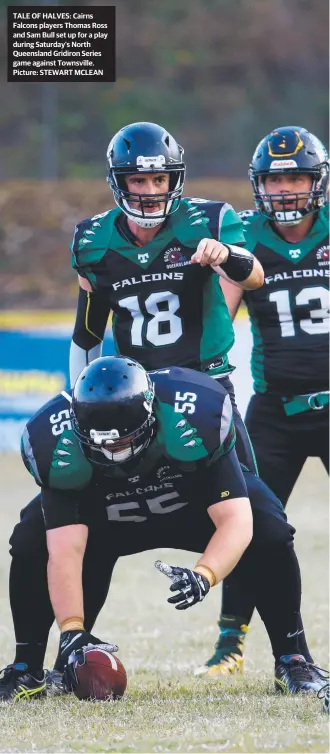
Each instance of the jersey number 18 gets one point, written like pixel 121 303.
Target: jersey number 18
pixel 162 306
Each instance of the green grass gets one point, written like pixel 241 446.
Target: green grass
pixel 165 709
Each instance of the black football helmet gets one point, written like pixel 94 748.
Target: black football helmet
pixel 145 148
pixel 290 149
pixel 111 410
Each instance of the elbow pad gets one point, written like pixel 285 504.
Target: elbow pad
pixel 239 264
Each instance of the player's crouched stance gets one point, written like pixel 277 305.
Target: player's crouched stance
pixel 134 462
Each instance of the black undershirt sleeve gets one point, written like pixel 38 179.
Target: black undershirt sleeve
pixel 93 311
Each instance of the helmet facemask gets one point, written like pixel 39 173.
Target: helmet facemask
pixel 106 448
pixel 314 199
pixel 139 212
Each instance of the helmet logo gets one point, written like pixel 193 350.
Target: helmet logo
pixel 153 163
pixel 282 164
pixel 278 141
pixel 294 253
pixel 100 436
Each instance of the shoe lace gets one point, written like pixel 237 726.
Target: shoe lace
pixel 324 691
pixel 321 671
pixel 9 672
pixel 304 671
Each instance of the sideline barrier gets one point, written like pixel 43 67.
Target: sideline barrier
pixel 34 364
pixel 33 368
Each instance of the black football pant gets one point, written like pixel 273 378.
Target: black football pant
pixel 268 570
pixel 281 444
pixel 243 446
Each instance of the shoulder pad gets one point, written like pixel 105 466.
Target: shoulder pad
pixel 194 414
pixel 253 223
pixel 91 240
pixel 223 222
pixel 324 215
pixel 248 215
pixel 50 451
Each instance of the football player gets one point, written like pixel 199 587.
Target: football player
pixel 288 416
pixel 145 262
pixel 155 262
pixel 132 462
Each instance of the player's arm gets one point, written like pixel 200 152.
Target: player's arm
pixel 225 254
pixel 66 548
pixel 66 534
pixel 231 262
pixel 93 311
pixel 233 296
pixel 232 518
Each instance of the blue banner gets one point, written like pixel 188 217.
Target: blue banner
pixel 34 366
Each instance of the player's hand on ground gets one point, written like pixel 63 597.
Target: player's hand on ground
pixel 210 251
pixel 192 587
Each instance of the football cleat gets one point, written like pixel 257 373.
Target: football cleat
pixel 294 675
pixel 18 684
pixel 228 658
pixel 324 694
pixel 54 683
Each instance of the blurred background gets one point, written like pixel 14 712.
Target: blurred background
pixel 219 75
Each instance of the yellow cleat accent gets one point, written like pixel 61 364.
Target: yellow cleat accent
pixel 25 693
pixel 232 664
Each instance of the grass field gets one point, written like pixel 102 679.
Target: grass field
pixel 165 709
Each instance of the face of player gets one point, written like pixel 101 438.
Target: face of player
pixel 289 184
pixel 152 184
pixel 119 453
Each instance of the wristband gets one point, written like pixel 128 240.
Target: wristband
pixel 239 263
pixel 72 624
pixel 203 570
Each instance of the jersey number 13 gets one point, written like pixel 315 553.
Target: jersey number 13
pixel 318 321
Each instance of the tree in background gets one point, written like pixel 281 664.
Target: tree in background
pixel 218 74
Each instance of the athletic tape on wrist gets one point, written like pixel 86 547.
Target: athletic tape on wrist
pixel 72 624
pixel 205 571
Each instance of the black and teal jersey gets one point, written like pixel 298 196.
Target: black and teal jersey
pixel 166 310
pixel 290 314
pixel 195 433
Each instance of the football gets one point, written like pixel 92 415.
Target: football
pixel 101 676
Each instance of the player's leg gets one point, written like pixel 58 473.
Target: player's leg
pixel 237 603
pixel 30 604
pixel 275 573
pixel 269 569
pixel 318 434
pixel 244 446
pixel 280 449
pixel 279 462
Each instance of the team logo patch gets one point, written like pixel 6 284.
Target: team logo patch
pixel 143 258
pixel 174 258
pixel 322 255
pixel 163 475
pixel 294 253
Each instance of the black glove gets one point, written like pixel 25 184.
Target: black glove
pixel 192 586
pixel 78 657
pixel 69 642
